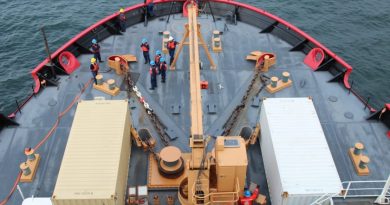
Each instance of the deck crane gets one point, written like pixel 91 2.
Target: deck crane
pixel 204 184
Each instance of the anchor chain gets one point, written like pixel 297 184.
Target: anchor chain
pixel 132 91
pixel 228 126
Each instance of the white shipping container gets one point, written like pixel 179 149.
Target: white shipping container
pixel 297 160
pixel 94 168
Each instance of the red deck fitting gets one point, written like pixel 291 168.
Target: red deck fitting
pixel 314 58
pixel 204 84
pixel 68 61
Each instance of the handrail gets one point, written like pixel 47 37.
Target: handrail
pixel 348 187
pixel 323 198
pixel 299 31
pixel 85 32
pixel 35 71
pixel 230 2
pixel 362 191
pixel 306 36
pixel 235 195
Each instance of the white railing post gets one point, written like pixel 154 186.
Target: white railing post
pixel 20 191
pixel 382 199
pixel 346 191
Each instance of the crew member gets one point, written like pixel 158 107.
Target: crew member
pixel 163 69
pixel 122 20
pixel 94 69
pixel 171 46
pixel 96 50
pixel 153 75
pixel 157 58
pixel 249 197
pixel 145 50
pixel 149 7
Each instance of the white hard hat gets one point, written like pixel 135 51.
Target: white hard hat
pixel 170 38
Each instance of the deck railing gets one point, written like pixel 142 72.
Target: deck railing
pixel 87 35
pixel 378 189
pixel 217 197
pixel 373 188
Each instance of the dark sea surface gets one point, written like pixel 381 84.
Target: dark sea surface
pixel 356 30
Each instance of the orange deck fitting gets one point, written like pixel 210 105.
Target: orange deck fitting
pixel 156 180
pixel 355 161
pixel 280 86
pixel 129 58
pixel 257 53
pixel 33 165
pixel 104 88
pixel 261 199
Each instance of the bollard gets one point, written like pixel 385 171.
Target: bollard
pixel 111 84
pixel 170 200
pixel 364 160
pixel 117 63
pixel 152 142
pixel 274 81
pixel 266 63
pixel 217 42
pixel 216 34
pixel 358 148
pixel 99 79
pixel 166 34
pixel 156 200
pixel 285 77
pixel 25 169
pixel 30 153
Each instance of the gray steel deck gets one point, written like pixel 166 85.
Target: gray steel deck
pixel 227 84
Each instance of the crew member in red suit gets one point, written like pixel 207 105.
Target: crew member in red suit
pixel 249 197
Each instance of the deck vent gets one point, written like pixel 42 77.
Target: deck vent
pixel 332 98
pixel 231 143
pixel 175 109
pixel 212 108
pixel 198 138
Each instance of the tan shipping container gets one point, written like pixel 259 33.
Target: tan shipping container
pixel 94 168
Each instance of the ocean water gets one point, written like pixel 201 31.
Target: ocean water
pixel 357 30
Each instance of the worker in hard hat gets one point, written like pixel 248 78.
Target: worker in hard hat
pixel 94 69
pixel 153 75
pixel 171 46
pixel 163 69
pixel 122 20
pixel 249 197
pixel 96 50
pixel 157 59
pixel 145 50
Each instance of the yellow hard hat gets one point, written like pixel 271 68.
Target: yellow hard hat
pixel 121 10
pixel 93 60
